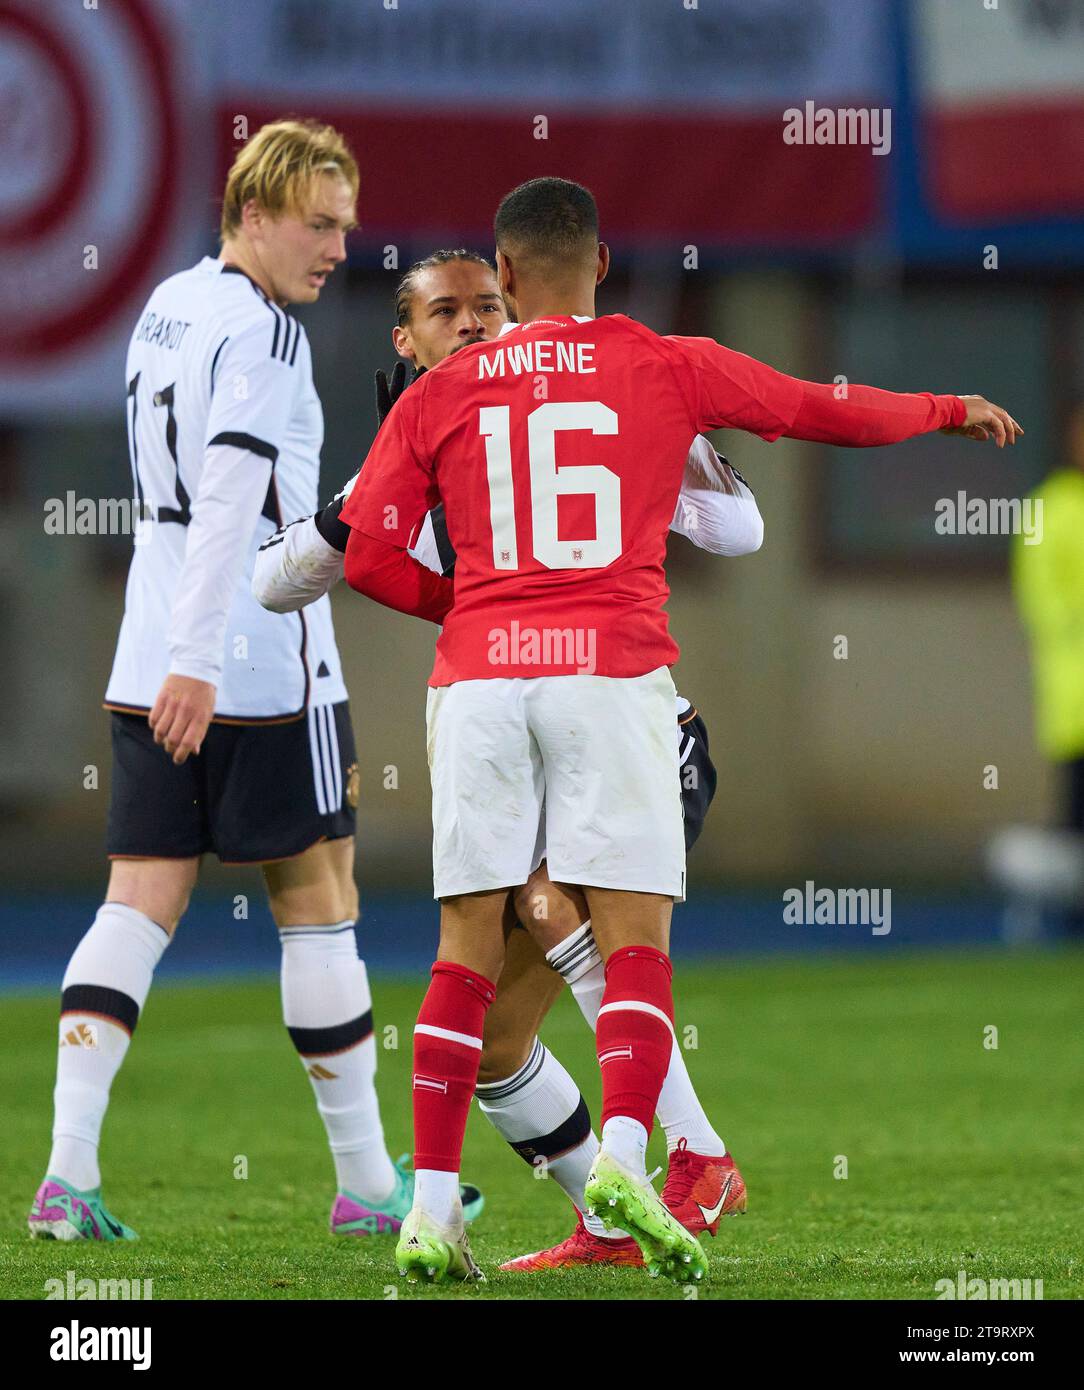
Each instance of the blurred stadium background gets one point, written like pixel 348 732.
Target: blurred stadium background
pixel 950 263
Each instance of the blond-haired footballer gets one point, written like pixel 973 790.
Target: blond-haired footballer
pixel 230 725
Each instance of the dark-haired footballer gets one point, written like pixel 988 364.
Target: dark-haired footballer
pixel 444 302
pixel 525 738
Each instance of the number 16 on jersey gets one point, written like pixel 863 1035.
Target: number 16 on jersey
pixel 550 480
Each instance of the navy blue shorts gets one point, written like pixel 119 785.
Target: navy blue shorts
pixel 254 792
pixel 697 773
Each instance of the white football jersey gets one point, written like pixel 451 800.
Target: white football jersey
pixel 224 432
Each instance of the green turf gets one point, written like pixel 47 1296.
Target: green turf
pixel 959 1157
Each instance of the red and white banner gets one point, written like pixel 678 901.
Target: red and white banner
pixel 98 178
pixel 672 114
pixel 1003 92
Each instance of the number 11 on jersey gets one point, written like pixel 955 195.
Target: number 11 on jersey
pixel 549 480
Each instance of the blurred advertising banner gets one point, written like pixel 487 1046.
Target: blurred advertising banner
pixel 102 187
pixel 122 115
pixel 672 113
pixel 1002 87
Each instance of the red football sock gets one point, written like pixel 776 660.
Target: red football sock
pixel 447 1050
pixel 635 1032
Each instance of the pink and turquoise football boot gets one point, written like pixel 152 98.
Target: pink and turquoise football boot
pixel 62 1212
pixel 355 1216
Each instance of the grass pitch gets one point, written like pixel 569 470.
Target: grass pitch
pixel 958 1155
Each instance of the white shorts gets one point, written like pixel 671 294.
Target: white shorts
pixel 579 770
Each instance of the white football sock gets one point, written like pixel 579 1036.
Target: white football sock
pixel 539 1111
pixel 327 1008
pixel 680 1113
pixel 626 1139
pixel 437 1194
pixel 577 960
pixel 104 989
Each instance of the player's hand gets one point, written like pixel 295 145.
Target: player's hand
pixel 388 390
pixel 181 715
pixel 985 419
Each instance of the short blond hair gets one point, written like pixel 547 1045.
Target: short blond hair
pixel 277 166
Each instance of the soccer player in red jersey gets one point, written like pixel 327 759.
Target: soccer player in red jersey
pixel 446 302
pixel 558 451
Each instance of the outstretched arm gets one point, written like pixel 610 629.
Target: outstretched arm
pixel 731 390
pixel 868 416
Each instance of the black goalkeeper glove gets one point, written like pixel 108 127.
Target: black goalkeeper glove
pixel 388 390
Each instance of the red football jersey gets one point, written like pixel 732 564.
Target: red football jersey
pixel 558 451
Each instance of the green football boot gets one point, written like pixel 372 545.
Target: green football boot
pixel 621 1198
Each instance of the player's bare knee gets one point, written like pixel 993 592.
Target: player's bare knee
pixel 528 901
pixel 502 1057
pixel 549 911
pixel 349 902
pixel 317 906
pixel 314 887
pixel 472 931
pixel 159 888
pixel 539 901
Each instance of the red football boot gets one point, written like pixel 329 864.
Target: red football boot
pixel 700 1189
pixel 581 1248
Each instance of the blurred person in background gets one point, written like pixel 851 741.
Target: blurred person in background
pixel 1048 581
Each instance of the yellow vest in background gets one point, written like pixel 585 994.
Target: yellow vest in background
pixel 1048 580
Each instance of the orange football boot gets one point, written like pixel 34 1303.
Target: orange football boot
pixel 701 1188
pixel 581 1248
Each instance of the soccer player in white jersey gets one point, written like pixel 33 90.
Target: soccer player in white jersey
pixel 231 730
pixel 444 302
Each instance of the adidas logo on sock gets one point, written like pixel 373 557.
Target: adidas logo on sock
pixel 82 1035
pixel 321 1073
